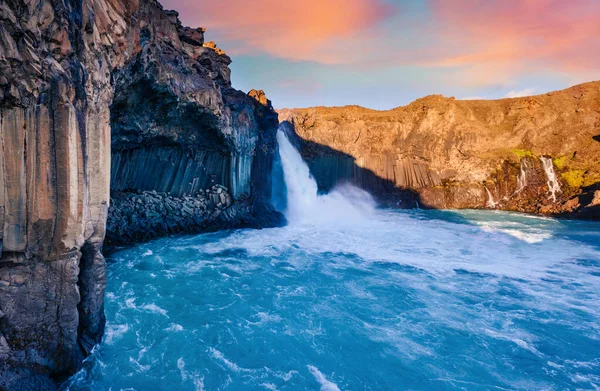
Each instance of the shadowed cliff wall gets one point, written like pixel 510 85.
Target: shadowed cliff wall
pixel 69 71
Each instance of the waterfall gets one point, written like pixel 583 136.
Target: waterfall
pixel 522 178
pixel 304 204
pixel 301 186
pixel 491 203
pixel 553 184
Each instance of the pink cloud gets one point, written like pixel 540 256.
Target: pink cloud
pixel 475 42
pixel 291 29
pixel 498 38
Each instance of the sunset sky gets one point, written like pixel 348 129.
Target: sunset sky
pixel 386 53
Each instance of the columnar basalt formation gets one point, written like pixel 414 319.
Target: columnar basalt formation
pixel 70 71
pixel 466 154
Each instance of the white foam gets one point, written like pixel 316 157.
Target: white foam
pixel 264 318
pixel 216 354
pixel 517 340
pixel 114 332
pixel 139 367
pixel 326 385
pixel 527 237
pixel 193 376
pixel 174 328
pixel 345 204
pixel 154 309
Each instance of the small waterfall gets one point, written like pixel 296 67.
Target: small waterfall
pixel 345 203
pixel 522 178
pixel 553 183
pixel 491 203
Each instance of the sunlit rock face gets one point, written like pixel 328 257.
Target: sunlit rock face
pixel 535 154
pixel 70 72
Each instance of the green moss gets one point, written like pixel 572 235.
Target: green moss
pixel 575 178
pixel 521 153
pixel 561 162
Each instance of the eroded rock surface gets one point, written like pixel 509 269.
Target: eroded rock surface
pixel 69 72
pixel 465 154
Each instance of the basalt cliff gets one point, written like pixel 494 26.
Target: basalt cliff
pixel 117 122
pixel 538 154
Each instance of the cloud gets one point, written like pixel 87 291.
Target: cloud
pixel 300 86
pixel 519 94
pixel 308 30
pixel 496 39
pixel 465 43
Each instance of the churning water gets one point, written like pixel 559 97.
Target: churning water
pixel 344 204
pixel 384 300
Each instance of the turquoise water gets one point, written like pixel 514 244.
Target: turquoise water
pixel 421 300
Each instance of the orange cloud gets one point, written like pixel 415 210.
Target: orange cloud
pixel 474 42
pixel 291 29
pixel 498 38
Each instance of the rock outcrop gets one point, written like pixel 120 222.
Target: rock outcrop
pixel 538 154
pixel 79 79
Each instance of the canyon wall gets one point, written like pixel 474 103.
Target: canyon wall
pixel 538 154
pixel 82 78
pixel 184 143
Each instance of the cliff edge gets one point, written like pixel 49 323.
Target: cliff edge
pixel 538 154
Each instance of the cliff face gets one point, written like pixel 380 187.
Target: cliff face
pixel 184 143
pixel 69 72
pixel 447 153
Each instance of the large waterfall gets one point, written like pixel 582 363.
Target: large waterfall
pixel 348 298
pixel 304 204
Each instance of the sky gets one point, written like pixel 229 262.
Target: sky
pixel 386 53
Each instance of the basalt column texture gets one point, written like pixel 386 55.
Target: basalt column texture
pixel 69 69
pixel 185 141
pixel 538 154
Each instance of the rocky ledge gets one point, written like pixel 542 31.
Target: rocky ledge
pixel 87 85
pixel 139 217
pixel 538 154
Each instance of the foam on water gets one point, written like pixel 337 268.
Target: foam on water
pixel 326 385
pixel 345 204
pixel 419 299
pixel 349 297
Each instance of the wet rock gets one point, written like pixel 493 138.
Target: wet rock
pixel 162 216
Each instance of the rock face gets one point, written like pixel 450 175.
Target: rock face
pixel 179 129
pixel 77 80
pixel 537 154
